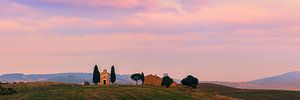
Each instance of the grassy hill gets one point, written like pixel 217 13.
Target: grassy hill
pixel 206 91
pixel 50 91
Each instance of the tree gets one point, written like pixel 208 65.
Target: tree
pixel 167 81
pixel 142 78
pixel 112 75
pixel 190 81
pixel 96 75
pixel 136 77
pixel 0 86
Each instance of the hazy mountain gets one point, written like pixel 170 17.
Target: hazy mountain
pixel 59 77
pixel 287 81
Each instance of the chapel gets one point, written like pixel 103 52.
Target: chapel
pixel 104 78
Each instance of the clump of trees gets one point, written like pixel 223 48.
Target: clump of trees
pixel 7 91
pixel 112 75
pixel 137 76
pixel 96 75
pixel 190 81
pixel 166 81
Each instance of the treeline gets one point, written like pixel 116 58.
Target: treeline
pixel 167 81
pixel 189 81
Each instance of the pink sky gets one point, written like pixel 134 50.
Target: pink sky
pixel 223 40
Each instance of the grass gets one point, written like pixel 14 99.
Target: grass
pixel 61 91
pixel 206 91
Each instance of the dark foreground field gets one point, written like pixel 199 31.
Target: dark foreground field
pixel 248 94
pixel 60 91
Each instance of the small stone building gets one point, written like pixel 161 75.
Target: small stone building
pixel 174 84
pixel 153 80
pixel 104 78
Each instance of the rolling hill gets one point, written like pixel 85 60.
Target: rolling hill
pixel 206 91
pixel 287 81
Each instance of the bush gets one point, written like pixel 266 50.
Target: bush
pixel 190 81
pixel 166 81
pixel 86 83
pixel 7 91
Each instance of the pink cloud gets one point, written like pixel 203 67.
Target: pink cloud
pixel 61 21
pixel 231 14
pixel 46 25
pixel 193 4
pixel 12 9
pixel 106 3
pixel 60 52
pixel 242 35
pixel 14 26
pixel 135 22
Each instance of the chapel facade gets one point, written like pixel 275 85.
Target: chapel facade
pixel 104 78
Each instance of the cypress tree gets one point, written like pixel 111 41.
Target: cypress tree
pixel 142 78
pixel 96 75
pixel 112 75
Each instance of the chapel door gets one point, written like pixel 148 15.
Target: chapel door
pixel 104 82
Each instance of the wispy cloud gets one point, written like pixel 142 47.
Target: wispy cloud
pixel 139 35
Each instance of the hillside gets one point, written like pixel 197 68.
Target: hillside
pixel 287 81
pixel 249 94
pixel 207 91
pixel 50 91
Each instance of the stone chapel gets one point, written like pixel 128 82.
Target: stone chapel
pixel 104 78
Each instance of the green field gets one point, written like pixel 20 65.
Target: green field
pixel 60 91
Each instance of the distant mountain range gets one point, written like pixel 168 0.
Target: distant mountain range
pixel 60 77
pixel 287 81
